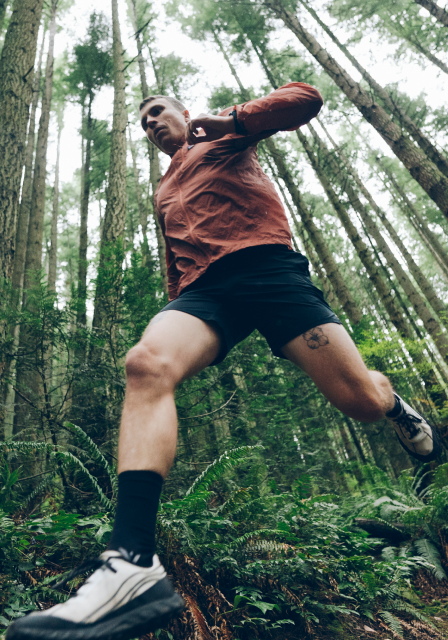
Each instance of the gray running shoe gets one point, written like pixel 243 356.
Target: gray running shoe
pixel 415 434
pixel 119 601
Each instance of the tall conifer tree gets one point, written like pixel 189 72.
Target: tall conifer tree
pixel 16 92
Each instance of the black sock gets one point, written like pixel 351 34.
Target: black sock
pixel 135 521
pixel 393 413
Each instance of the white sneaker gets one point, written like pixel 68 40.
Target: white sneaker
pixel 415 434
pixel 120 600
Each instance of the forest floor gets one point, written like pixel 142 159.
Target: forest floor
pixel 434 594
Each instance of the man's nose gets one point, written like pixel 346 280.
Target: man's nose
pixel 150 122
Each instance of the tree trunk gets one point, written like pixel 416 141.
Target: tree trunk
pixel 431 325
pixel 423 170
pixel 429 237
pixel 383 291
pixel 441 15
pixel 308 248
pixel 33 260
pixel 16 93
pixel 420 138
pixel 334 275
pixel 142 211
pixel 424 284
pixel 30 382
pixel 153 153
pixel 53 253
pixel 115 214
pixel 81 312
pixel 25 203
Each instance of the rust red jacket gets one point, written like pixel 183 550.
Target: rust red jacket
pixel 215 199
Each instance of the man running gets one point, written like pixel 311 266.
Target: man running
pixel 231 270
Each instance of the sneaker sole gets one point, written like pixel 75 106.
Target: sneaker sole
pixel 148 617
pixel 436 451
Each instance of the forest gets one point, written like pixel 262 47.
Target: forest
pixel 281 518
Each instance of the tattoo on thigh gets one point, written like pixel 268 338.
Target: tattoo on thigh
pixel 315 338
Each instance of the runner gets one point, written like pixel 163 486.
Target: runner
pixel 231 270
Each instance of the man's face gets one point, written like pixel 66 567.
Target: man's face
pixel 164 124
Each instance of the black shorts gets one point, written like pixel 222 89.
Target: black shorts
pixel 266 287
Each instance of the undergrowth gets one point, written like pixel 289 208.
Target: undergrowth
pixel 250 561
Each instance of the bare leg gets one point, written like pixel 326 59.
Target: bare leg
pixel 329 356
pixel 174 347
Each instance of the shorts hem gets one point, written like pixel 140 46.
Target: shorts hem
pixel 211 319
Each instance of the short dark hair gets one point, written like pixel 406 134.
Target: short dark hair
pixel 174 101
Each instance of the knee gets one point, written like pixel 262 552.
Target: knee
pixel 146 368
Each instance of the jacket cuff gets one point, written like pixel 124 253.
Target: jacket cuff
pixel 240 129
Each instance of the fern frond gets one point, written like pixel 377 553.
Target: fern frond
pixel 245 538
pixel 68 459
pixel 27 446
pixel 388 553
pixel 39 489
pixel 408 608
pixel 267 546
pixel 217 468
pixel 392 622
pixel 430 553
pixel 93 450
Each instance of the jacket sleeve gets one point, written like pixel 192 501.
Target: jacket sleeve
pixel 285 109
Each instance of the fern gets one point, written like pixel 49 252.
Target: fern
pixel 408 608
pixel 392 622
pixel 68 459
pixel 65 458
pixel 388 553
pixel 39 489
pixel 429 552
pixel 92 449
pixel 217 468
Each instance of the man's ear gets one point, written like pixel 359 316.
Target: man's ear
pixel 187 115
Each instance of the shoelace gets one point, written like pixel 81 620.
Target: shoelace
pixel 408 423
pixel 88 565
pixel 96 563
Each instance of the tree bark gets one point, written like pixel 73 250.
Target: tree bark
pixel 441 15
pixel 33 260
pixel 154 162
pixel 423 170
pixel 115 214
pixel 430 323
pixel 334 275
pixel 420 138
pixel 25 203
pixel 424 284
pixel 81 312
pixel 16 92
pixel 53 253
pixel 308 248
pixel 364 255
pixel 142 211
pixel 429 237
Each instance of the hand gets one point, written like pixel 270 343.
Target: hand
pixel 205 128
